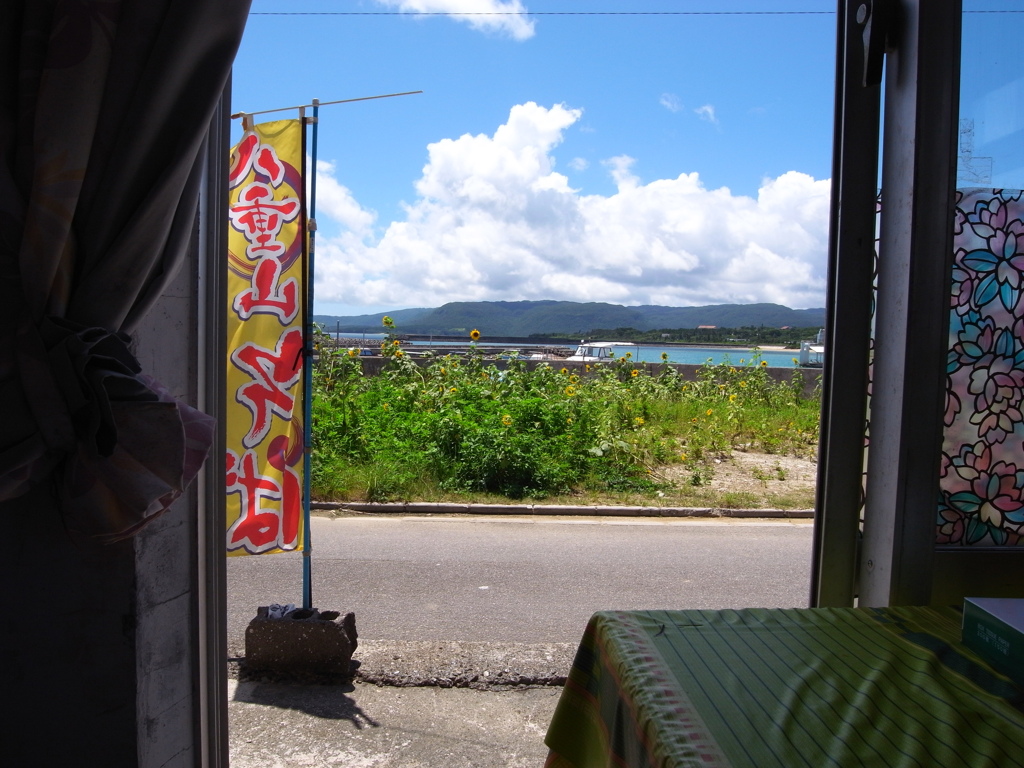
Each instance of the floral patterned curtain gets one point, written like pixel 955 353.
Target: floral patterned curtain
pixel 982 487
pixel 103 109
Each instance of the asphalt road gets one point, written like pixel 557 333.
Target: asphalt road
pixel 523 580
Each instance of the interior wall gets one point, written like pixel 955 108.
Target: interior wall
pixel 166 551
pixel 67 640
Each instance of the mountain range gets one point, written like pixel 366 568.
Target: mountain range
pixel 524 318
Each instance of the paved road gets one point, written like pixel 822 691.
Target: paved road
pixel 523 580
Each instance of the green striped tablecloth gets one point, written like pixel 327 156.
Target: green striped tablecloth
pixel 761 688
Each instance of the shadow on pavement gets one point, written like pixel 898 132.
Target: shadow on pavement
pixel 329 702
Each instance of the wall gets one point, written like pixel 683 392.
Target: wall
pixel 166 553
pixel 67 639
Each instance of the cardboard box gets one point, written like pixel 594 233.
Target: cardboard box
pixel 994 629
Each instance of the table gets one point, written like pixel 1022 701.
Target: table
pixel 784 687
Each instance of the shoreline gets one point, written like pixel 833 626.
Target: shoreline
pixel 359 342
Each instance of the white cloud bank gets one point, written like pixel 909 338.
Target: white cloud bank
pixel 493 220
pixel 502 16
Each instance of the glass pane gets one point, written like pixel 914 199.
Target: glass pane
pixel 991 148
pixel 982 486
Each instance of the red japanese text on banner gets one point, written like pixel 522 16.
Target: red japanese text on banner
pixel 264 366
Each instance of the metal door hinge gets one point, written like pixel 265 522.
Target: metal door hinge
pixel 873 18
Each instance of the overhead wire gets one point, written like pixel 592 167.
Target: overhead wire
pixel 571 13
pixel 542 13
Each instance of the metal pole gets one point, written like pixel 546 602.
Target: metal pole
pixel 307 382
pixel 316 103
pixel 848 322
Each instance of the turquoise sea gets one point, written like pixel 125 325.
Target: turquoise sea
pixel 701 355
pixel 652 353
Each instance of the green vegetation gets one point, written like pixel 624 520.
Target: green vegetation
pixel 462 428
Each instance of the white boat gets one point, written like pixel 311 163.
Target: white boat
pixel 601 351
pixel 812 353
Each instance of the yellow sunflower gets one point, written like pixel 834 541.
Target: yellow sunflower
pixel 474 335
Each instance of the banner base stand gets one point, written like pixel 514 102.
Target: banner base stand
pixel 301 645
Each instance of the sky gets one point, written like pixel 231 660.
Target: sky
pixel 680 160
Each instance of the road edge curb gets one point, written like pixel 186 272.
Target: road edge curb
pixel 428 508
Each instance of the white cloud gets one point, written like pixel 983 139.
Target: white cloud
pixel 670 102
pixel 579 164
pixel 493 220
pixel 335 201
pixel 504 16
pixel 707 112
pixel 620 171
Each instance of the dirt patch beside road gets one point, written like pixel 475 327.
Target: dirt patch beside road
pixel 748 480
pixel 765 473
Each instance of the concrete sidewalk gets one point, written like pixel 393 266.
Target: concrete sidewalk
pixel 412 704
pixel 276 725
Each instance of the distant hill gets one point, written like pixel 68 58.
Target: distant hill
pixel 370 323
pixel 523 318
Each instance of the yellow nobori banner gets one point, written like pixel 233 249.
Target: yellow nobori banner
pixel 265 293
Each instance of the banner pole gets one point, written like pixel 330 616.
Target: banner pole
pixel 307 384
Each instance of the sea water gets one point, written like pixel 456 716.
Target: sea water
pixel 714 355
pixel 644 353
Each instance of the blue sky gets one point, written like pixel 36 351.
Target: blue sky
pixel 678 160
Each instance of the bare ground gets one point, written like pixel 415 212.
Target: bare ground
pixel 756 480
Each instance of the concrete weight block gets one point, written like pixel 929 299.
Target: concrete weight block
pixel 301 643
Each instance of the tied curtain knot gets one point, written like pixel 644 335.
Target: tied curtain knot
pixel 117 445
